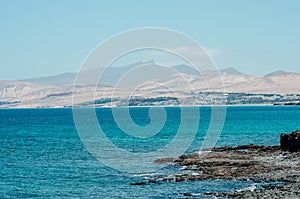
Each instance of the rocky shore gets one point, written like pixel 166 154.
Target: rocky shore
pixel 273 170
pixel 257 163
pixel 249 162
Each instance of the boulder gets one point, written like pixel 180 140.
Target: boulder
pixel 290 142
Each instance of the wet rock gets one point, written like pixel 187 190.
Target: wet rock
pixel 186 194
pixel 151 181
pixel 138 183
pixel 290 142
pixel 164 160
pixel 248 162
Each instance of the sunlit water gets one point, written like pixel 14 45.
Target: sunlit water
pixel 41 154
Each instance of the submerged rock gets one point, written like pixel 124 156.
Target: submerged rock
pixel 290 142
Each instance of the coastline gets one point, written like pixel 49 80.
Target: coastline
pixel 269 164
pixel 99 107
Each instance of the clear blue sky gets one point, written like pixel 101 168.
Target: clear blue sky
pixel 40 38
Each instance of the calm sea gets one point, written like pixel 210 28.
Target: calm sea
pixel 42 156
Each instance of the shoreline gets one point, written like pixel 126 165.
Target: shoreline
pixel 247 162
pixel 100 107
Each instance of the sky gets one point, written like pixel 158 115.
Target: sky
pixel 42 38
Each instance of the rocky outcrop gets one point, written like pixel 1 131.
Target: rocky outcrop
pixel 250 162
pixel 290 142
pixel 276 166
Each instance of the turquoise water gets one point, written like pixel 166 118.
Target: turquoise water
pixel 41 154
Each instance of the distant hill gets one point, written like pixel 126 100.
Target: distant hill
pixel 185 69
pixel 232 71
pixel 65 78
pixel 144 81
pixel 275 73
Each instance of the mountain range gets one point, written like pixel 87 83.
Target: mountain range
pixel 182 82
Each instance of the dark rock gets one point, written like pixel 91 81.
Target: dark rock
pixel 138 183
pixel 290 142
pixel 152 181
pixel 264 165
pixel 186 194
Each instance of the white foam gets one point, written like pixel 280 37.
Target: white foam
pixel 252 187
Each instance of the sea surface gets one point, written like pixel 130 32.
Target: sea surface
pixel 42 155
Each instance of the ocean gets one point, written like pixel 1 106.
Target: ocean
pixel 42 154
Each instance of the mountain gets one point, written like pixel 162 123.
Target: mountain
pixel 276 73
pixel 110 75
pixel 185 69
pixel 142 80
pixel 231 71
pixel 66 78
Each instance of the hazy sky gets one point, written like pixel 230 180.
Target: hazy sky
pixel 40 38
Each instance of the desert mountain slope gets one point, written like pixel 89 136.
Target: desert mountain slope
pixel 181 81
